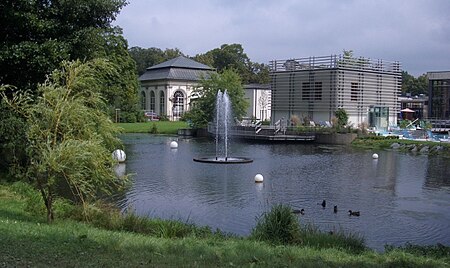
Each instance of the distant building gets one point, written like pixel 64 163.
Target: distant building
pixel 259 99
pixel 316 87
pixel 166 88
pixel 418 104
pixel 439 95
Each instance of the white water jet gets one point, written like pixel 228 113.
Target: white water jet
pixel 222 118
pixel 222 123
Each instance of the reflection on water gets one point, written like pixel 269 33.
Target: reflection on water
pixel 401 197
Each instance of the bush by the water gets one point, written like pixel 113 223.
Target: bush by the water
pixel 154 129
pixel 280 226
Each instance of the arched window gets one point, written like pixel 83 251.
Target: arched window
pixel 143 101
pixel 152 101
pixel 162 103
pixel 178 103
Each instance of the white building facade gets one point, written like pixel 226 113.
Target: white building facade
pixel 166 88
pixel 316 87
pixel 259 98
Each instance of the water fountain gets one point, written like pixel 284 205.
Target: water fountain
pixel 222 122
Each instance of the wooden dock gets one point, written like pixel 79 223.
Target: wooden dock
pixel 278 137
pixel 267 134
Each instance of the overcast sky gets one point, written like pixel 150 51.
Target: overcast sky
pixel 414 32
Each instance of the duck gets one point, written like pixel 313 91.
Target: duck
pixel 335 209
pixel 299 211
pixel 324 203
pixel 354 213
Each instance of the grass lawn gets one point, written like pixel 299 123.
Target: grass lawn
pixel 28 241
pixel 162 127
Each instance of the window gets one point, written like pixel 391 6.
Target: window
pixel 162 103
pixel 354 95
pixel 152 100
pixel 143 101
pixel 178 103
pixel 312 91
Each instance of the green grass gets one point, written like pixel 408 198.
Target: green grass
pixel 27 241
pixel 162 127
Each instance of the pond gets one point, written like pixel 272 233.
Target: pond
pixel 401 197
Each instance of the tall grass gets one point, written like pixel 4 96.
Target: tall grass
pixel 278 226
pixel 313 237
pixel 281 226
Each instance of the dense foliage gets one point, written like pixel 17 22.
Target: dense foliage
pixel 414 86
pixel 147 57
pixel 342 117
pixel 69 136
pixel 12 139
pixel 37 35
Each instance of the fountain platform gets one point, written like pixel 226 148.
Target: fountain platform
pixel 223 160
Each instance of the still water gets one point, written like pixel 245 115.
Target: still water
pixel 402 197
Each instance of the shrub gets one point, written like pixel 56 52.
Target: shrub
pixel 33 200
pixel 278 226
pixel 342 117
pixel 295 120
pixel 163 117
pixel 154 129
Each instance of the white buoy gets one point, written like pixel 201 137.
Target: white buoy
pixel 259 178
pixel 375 156
pixel 119 155
pixel 174 145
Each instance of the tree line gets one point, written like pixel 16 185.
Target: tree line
pixel 227 56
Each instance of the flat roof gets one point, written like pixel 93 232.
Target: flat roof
pixel 440 75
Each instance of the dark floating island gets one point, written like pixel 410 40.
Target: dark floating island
pixel 223 160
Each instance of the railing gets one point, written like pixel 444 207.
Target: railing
pixel 410 124
pixel 277 126
pixel 258 126
pixel 335 61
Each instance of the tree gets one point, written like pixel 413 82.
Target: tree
pixel 145 58
pixel 414 86
pixel 120 84
pixel 204 108
pixel 69 135
pixel 36 35
pixel 233 57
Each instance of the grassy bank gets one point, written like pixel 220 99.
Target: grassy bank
pixel 379 142
pixel 156 127
pixel 26 240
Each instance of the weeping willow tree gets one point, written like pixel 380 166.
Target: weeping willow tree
pixel 69 134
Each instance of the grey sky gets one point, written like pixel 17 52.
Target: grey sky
pixel 414 32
